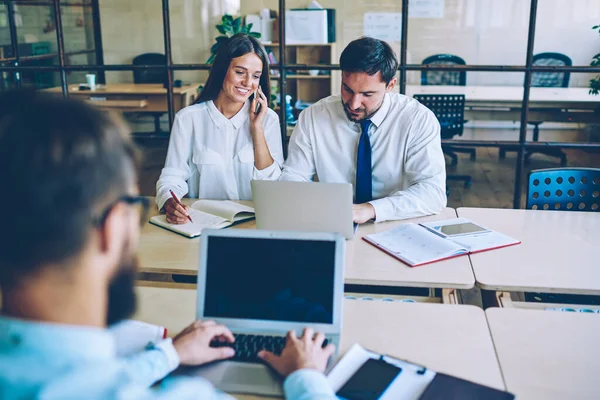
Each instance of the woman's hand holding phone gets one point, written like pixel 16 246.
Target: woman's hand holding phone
pixel 258 111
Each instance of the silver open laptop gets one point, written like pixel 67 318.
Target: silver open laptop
pixel 262 284
pixel 304 206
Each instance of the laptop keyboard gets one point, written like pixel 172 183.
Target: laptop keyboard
pixel 247 346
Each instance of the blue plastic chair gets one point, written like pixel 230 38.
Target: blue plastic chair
pixel 565 189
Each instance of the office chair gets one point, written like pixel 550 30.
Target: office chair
pixel 450 78
pixel 449 109
pixel 547 79
pixel 564 189
pixel 151 76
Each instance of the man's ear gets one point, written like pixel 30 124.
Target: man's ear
pixel 112 233
pixel 391 85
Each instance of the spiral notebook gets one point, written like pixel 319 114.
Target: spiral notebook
pixel 419 244
pixel 207 214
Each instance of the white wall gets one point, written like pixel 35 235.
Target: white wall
pixel 492 32
pixel 480 31
pixel 130 28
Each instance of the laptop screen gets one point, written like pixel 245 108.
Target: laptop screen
pixel 270 279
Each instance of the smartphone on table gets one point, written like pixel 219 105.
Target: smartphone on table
pixel 370 381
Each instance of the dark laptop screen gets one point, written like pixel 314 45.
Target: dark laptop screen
pixel 270 279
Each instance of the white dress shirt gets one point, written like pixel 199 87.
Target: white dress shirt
pixel 409 170
pixel 212 157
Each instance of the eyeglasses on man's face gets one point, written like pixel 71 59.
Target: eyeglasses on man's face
pixel 141 203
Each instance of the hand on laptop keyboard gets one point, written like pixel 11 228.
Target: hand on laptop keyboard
pixel 193 343
pixel 309 351
pixel 247 347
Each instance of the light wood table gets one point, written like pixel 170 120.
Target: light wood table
pixel 134 97
pixel 492 103
pixel 547 354
pixel 559 252
pixel 453 339
pixel 161 251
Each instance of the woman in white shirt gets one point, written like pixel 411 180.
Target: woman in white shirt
pixel 220 143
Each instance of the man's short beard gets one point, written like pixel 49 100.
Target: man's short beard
pixel 121 290
pixel 368 116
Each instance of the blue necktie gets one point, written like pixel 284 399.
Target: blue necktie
pixel 364 183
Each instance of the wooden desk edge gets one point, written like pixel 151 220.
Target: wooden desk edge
pixel 72 90
pixel 169 271
pixel 561 290
pixel 187 272
pixel 429 285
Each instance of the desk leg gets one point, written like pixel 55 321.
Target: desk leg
pixel 450 296
pixel 179 102
pixel 504 300
pixel 183 100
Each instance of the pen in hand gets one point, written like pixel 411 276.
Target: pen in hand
pixel 180 203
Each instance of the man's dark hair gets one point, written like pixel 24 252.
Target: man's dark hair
pixel 370 56
pixel 62 162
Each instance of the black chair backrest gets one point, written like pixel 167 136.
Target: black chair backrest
pixel 150 75
pixel 449 110
pixel 551 79
pixel 565 189
pixel 453 78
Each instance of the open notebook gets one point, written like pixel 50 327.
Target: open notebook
pixel 418 244
pixel 212 214
pixel 364 375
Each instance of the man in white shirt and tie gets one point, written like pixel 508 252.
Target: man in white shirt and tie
pixel 386 144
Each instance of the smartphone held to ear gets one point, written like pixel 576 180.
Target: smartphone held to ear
pixel 258 106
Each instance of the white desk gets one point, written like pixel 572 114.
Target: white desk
pixel 453 339
pixel 559 253
pixel 570 104
pixel 547 354
pixel 367 265
pixel 161 251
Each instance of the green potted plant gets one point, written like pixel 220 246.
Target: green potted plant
pixel 595 82
pixel 227 28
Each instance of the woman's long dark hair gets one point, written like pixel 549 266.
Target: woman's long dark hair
pixel 236 46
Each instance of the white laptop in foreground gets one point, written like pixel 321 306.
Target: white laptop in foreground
pixel 262 284
pixel 304 206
